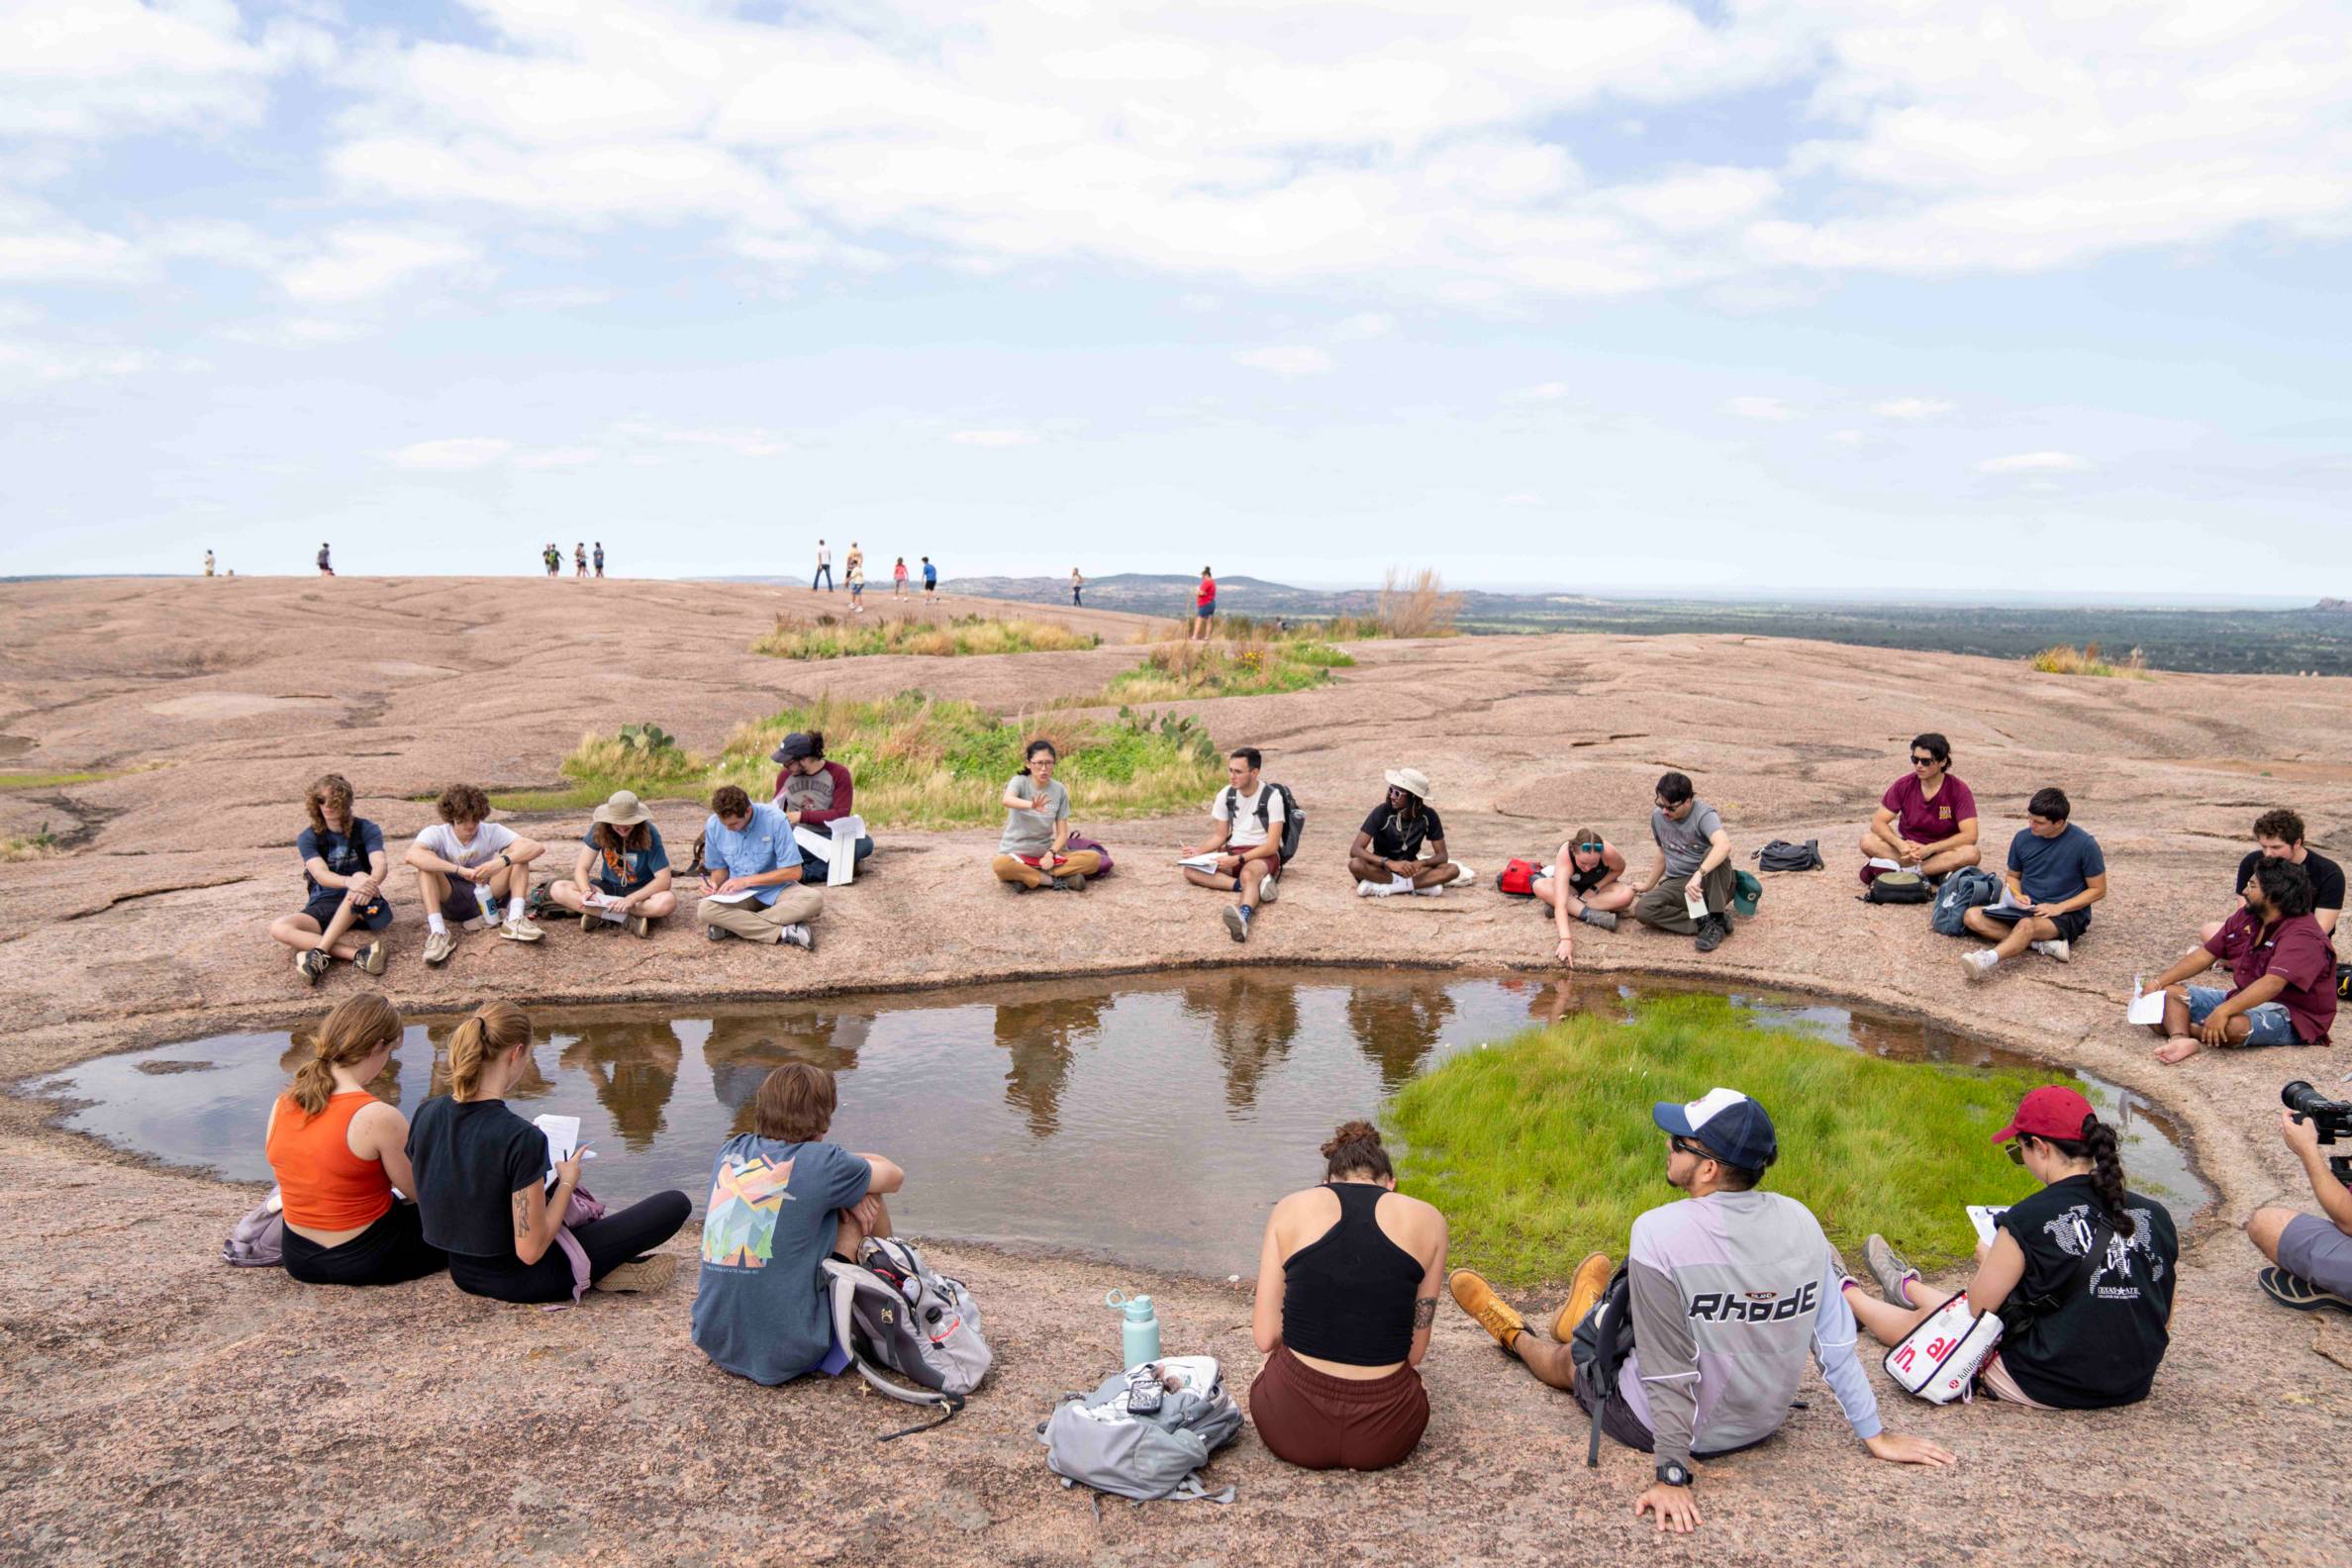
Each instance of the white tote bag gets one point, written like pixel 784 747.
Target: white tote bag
pixel 1938 1359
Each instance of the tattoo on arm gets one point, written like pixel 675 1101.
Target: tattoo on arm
pixel 522 1215
pixel 1424 1312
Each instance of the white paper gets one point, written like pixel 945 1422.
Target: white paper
pixel 2147 1007
pixel 563 1138
pixel 1982 1217
pixel 1695 904
pixel 1881 863
pixel 743 896
pixel 2009 898
pixel 1200 862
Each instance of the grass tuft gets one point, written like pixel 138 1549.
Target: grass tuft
pixel 1541 1149
pixel 10 781
pixel 37 847
pixel 1174 672
pixel 2064 660
pixel 830 638
pixel 1416 605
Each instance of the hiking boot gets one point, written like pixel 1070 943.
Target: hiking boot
pixel 437 947
pixel 1976 965
pixel 1712 932
pixel 651 1272
pixel 797 935
pixel 310 964
pixel 1603 919
pixel 638 924
pixel 1477 1298
pixel 2057 948
pixel 717 932
pixel 519 929
pixel 1887 1266
pixel 373 956
pixel 1075 882
pixel 2293 1290
pixel 1236 919
pixel 1584 1289
pixel 1270 889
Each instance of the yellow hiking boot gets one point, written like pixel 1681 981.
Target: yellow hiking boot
pixel 1584 1289
pixel 1478 1299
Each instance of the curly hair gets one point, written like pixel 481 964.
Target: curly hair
pixel 464 803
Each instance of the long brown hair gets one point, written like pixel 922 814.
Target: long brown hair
pixel 494 1028
pixel 326 787
pixel 639 837
pixel 358 1028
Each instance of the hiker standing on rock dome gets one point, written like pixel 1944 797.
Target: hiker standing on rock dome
pixel 1926 821
pixel 325 567
pixel 1690 887
pixel 1401 848
pixel 580 558
pixel 1204 607
pixel 598 557
pixel 823 569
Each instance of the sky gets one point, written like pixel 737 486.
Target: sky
pixel 1888 295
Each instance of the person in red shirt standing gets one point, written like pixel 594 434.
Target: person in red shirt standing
pixel 1927 820
pixel 2282 969
pixel 1204 607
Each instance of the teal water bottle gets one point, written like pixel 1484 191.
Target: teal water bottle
pixel 1139 1329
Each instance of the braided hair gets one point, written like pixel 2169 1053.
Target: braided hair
pixel 2103 1148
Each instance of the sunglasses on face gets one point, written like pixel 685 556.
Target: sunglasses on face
pixel 2016 1153
pixel 1921 761
pixel 1592 848
pixel 1682 1146
pixel 1395 793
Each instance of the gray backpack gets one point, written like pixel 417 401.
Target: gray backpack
pixel 1093 1440
pixel 898 1315
pixel 1964 890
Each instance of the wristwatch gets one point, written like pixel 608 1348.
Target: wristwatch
pixel 1674 1473
pixel 506 859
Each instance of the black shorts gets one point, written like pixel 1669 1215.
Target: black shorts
pixel 929 587
pixel 388 1252
pixel 2071 924
pixel 325 902
pixel 464 902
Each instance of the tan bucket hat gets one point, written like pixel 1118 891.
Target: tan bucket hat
pixel 624 810
pixel 1413 781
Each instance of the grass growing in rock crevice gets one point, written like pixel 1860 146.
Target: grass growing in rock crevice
pixel 1175 671
pixel 1541 1149
pixel 830 638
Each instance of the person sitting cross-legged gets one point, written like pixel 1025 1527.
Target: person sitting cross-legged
pixel 1347 1294
pixel 1401 848
pixel 1693 868
pixel 463 854
pixel 2282 971
pixel 1927 820
pixel 342 871
pixel 782 1201
pixel 1708 1372
pixel 752 874
pixel 813 792
pixel 1035 850
pixel 2056 872
pixel 1247 845
pixel 1588 883
pixel 622 876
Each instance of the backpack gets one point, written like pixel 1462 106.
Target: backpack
pixel 1093 1440
pixel 1294 821
pixel 1938 1359
pixel 259 1240
pixel 1782 855
pixel 2344 982
pixel 1075 844
pixel 1897 887
pixel 1964 890
pixel 1600 1344
pixel 1518 878
pixel 896 1313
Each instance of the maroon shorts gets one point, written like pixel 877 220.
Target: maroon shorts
pixel 1324 1422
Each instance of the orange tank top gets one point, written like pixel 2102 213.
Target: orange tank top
pixel 326 1185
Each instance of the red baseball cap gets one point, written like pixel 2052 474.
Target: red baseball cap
pixel 2050 1112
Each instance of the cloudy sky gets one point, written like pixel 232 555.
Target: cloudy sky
pixel 1887 294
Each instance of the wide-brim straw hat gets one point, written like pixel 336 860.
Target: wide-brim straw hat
pixel 1413 781
pixel 624 810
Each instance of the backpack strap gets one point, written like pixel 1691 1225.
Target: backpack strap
pixel 1606 1360
pixel 1189 1490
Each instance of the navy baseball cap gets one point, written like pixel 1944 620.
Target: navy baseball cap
pixel 1732 1126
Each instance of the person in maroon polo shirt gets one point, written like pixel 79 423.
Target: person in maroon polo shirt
pixel 1927 820
pixel 2282 973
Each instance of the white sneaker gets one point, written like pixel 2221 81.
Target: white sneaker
pixel 1267 890
pixel 797 935
pixel 1431 892
pixel 1978 964
pixel 2057 948
pixel 519 929
pixel 1463 876
pixel 1369 890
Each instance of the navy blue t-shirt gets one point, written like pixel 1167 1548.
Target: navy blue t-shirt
pixel 2051 871
pixel 346 853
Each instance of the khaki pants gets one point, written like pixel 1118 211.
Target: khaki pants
pixel 1663 907
pixel 795 906
pixel 1084 863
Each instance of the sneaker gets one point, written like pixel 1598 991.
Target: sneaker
pixel 372 958
pixel 1369 890
pixel 1463 876
pixel 1712 932
pixel 1477 1298
pixel 1978 964
pixel 2293 1290
pixel 310 964
pixel 2057 948
pixel 717 932
pixel 519 929
pixel 1837 1262
pixel 651 1272
pixel 1269 890
pixel 1887 1266
pixel 1236 919
pixel 797 935
pixel 1606 920
pixel 479 921
pixel 1584 1289
pixel 638 924
pixel 437 947
pixel 589 920
pixel 1075 882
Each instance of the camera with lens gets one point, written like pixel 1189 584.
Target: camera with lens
pixel 2333 1118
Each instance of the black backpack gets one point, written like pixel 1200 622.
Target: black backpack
pixel 1900 887
pixel 1782 855
pixel 1294 819
pixel 1600 1344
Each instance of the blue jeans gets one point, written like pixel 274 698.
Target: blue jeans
pixel 824 576
pixel 2269 1022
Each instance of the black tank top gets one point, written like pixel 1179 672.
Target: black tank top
pixel 1584 881
pixel 1347 1294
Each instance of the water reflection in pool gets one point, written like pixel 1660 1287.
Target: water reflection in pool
pixel 1149 1118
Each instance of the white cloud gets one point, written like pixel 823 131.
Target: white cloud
pixel 1846 437
pixel 558 458
pixel 741 440
pixel 1202 304
pixel 1540 392
pixel 2037 463
pixel 994 437
pixel 97 69
pixel 1287 360
pixel 1363 325
pixel 1769 408
pixel 358 261
pixel 1911 407
pixel 454 454
pixel 31 364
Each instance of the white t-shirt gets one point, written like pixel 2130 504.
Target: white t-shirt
pixel 441 839
pixel 824 555
pixel 1247 834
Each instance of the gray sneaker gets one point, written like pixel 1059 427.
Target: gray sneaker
pixel 1073 883
pixel 437 947
pixel 1237 922
pixel 310 964
pixel 717 932
pixel 1603 919
pixel 2057 948
pixel 798 937
pixel 1893 1275
pixel 1270 889
pixel 372 958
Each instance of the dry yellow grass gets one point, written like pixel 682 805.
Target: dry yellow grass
pixel 830 638
pixel 2062 659
pixel 1417 606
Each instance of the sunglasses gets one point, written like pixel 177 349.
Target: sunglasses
pixel 1682 1146
pixel 2016 1153
pixel 1595 847
pixel 1921 761
pixel 1397 793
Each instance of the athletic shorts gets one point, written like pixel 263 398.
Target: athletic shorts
pixel 2071 924
pixel 2311 1248
pixel 1204 612
pixel 325 902
pixel 2270 1024
pixel 464 902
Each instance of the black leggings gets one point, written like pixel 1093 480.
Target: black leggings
pixel 391 1250
pixel 609 1243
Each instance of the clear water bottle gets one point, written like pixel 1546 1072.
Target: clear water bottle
pixel 1138 1328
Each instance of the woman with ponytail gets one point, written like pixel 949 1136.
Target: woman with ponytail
pixel 1348 1289
pixel 2081 1273
pixel 482 1183
pixel 338 1152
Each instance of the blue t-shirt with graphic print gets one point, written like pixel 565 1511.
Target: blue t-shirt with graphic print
pixel 620 872
pixel 761 1311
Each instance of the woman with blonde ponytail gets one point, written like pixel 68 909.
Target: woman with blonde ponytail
pixel 340 1153
pixel 2081 1273
pixel 483 1183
